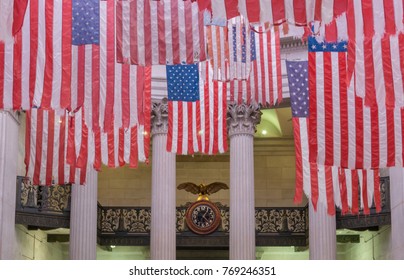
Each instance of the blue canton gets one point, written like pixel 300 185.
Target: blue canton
pixel 316 46
pixel 243 45
pixel 183 82
pixel 298 79
pixel 85 22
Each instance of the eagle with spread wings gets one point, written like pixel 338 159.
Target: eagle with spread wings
pixel 203 190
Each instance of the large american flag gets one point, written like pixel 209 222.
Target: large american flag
pixel 159 32
pixel 199 126
pixel 328 185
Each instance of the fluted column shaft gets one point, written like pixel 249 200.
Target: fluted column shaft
pixel 8 174
pixel 397 213
pixel 163 210
pixel 322 234
pixel 242 121
pixel 83 219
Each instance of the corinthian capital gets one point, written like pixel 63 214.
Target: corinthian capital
pixel 159 117
pixel 243 118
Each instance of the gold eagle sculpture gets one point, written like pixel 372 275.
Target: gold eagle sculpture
pixel 203 191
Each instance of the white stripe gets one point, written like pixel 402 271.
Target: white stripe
pixel 133 96
pixel 154 32
pixel 260 88
pixel 195 131
pixel 320 107
pixel 336 108
pixel 242 8
pixel 185 128
pixel 398 14
pixel 168 33
pixel 127 144
pixel 57 54
pixel 202 70
pixel 6 20
pixel 45 148
pixel 196 32
pixel 88 87
pixel 74 81
pixel 182 31
pixel 103 60
pixel 371 185
pixel 378 18
pixel 336 184
pixel 140 30
pixel 327 11
pixel 8 75
pixel 342 27
pixel 41 54
pixel 322 192
pixel 290 11
pixel 26 53
pixel 56 144
pixel 211 115
pixel 267 87
pixel 104 148
pixel 118 95
pixel 378 72
pixel 140 143
pixel 305 156
pixel 396 70
pixel 175 127
pixel 359 55
pixel 367 138
pixel 266 11
pixel 310 8
pixel 125 29
pixel 218 11
pixel 274 64
pixel 220 109
pixel 32 147
pixel 360 179
pixel 398 140
pixel 383 138
pixel 348 177
pixel 351 127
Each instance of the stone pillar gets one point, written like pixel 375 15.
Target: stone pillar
pixel 163 210
pixel 83 219
pixel 397 213
pixel 241 123
pixel 8 175
pixel 322 234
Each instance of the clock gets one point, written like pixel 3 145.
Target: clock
pixel 203 217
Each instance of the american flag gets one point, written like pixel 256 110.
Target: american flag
pixel 183 82
pixel 328 185
pixel 199 126
pixel 85 22
pixel 159 32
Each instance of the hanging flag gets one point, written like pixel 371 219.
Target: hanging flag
pixel 183 82
pixel 264 85
pixel 199 126
pixel 344 131
pixel 328 185
pixel 85 22
pixel 159 32
pixel 218 50
pixel 56 150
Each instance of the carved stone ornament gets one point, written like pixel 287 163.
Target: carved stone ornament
pixel 243 118
pixel 159 117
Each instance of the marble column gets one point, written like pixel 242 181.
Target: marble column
pixel 397 213
pixel 241 124
pixel 322 234
pixel 8 175
pixel 83 219
pixel 163 210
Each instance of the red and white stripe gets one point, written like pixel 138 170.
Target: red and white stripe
pixel 218 50
pixel 161 32
pixel 344 131
pixel 56 147
pixel 330 185
pixel 264 85
pixel 199 126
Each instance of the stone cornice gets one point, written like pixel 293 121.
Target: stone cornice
pixel 242 118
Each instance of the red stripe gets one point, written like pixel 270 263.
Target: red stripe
pixel 331 32
pixel 198 125
pixel 80 76
pixel 253 10
pixel 298 161
pixel 65 101
pixel 215 124
pixel 355 192
pixel 366 210
pixel 180 127
pixel 207 113
pixel 48 74
pixel 389 18
pixel 351 40
pixel 190 129
pixel 231 8
pixel 224 118
pixel 62 146
pixel 188 32
pixel 161 32
pixel 51 141
pixel 317 10
pixel 95 74
pixel 299 11
pixel 340 7
pixel 391 147
pixel 119 32
pixel 147 34
pixel 313 108
pixel 375 150
pixel 175 32
pixel 33 47
pixel 134 55
pixel 370 98
pixel 133 158
pixel 97 149
pixel 38 148
pixel 231 90
pixel 278 64
pixel 378 200
pixel 278 11
pixel 263 62
pixel 328 110
pixel 314 184
pixel 402 132
pixel 387 72
pixel 17 71
pixel 170 126
pixel 368 24
pixel 269 65
pixel 2 66
pixel 125 99
pixel 83 153
pixel 111 148
pixel 18 15
pixel 329 191
pixel 121 147
pixel 343 191
pixel 109 103
pixel 359 132
pixel 256 85
pixel 401 47
pixel 147 110
pixel 141 82
pixel 241 85
pixel 71 147
pixel 343 110
pixel 202 52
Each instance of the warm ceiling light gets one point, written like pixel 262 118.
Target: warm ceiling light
pixel 264 132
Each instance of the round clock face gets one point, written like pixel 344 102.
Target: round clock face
pixel 203 217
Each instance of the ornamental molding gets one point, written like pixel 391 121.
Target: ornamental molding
pixel 159 117
pixel 243 118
